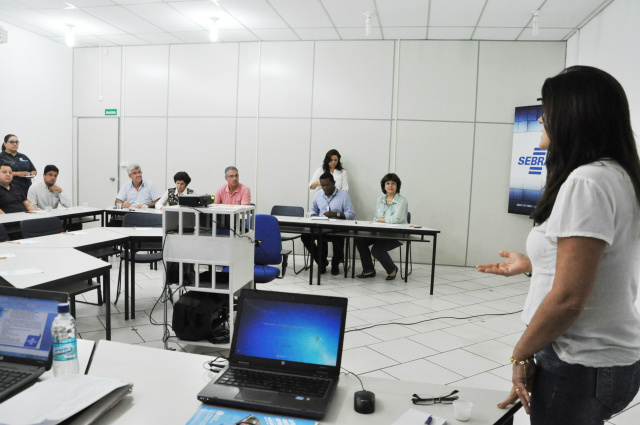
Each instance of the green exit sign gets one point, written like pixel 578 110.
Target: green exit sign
pixel 111 112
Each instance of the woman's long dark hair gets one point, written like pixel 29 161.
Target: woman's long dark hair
pixel 586 117
pixel 327 159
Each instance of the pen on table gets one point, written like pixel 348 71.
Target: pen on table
pixel 428 421
pixel 13 242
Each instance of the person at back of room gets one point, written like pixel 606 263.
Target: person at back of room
pixel 331 164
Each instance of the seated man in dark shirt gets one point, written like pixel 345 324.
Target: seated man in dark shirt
pixel 12 198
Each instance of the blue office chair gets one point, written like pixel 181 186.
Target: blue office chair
pixel 41 227
pixel 4 236
pixel 269 252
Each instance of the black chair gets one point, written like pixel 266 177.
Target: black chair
pixel 51 226
pixel 289 211
pixel 4 236
pixel 41 227
pixel 155 250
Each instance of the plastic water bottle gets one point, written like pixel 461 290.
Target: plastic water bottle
pixel 65 348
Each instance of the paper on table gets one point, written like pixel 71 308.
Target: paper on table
pixel 52 401
pixel 319 217
pixel 415 416
pixel 23 241
pixel 20 272
pixel 8 255
pixel 76 233
pixel 142 229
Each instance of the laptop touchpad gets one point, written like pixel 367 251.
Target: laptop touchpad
pixel 262 396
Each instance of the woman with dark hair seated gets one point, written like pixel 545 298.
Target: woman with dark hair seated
pixel 391 208
pixel 170 197
pixel 331 164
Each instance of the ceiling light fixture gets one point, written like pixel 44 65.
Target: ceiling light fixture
pixel 534 23
pixel 214 30
pixel 367 24
pixel 70 37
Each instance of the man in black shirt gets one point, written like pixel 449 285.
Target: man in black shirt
pixel 12 198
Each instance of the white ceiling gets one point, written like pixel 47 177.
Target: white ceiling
pixel 144 22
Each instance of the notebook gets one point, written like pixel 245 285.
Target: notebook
pixel 415 416
pixel 289 337
pixel 26 316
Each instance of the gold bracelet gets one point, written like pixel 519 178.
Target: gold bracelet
pixel 521 362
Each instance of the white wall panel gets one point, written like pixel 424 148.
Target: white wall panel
pixel 353 79
pixel 249 66
pixel 203 80
pixel 35 93
pixel 246 146
pixel 437 80
pixel 146 80
pixel 203 147
pixel 364 148
pixel 286 73
pixel 145 143
pixel 87 80
pixel 511 74
pixel 282 165
pixel 434 163
pixel 491 228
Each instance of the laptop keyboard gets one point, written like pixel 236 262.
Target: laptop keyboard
pixel 298 385
pixel 9 377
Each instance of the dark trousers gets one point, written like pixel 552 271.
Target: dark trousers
pixel 380 250
pixel 309 242
pixel 568 394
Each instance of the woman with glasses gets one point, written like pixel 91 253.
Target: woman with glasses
pixel 21 166
pixel 578 361
pixel 170 197
pixel 331 164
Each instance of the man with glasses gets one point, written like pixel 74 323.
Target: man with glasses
pixel 137 192
pixel 234 192
pixel 46 193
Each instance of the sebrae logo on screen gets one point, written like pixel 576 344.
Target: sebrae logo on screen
pixel 535 162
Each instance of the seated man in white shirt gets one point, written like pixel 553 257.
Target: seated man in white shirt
pixel 137 192
pixel 46 193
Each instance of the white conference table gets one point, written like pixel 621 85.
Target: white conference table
pixel 165 385
pixel 11 221
pixel 360 228
pixel 51 269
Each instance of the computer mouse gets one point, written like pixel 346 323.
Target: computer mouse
pixel 364 402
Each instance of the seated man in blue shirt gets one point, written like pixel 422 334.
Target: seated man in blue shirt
pixel 137 192
pixel 332 203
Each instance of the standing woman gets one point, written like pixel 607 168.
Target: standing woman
pixel 331 164
pixel 21 166
pixel 170 197
pixel 578 361
pixel 391 208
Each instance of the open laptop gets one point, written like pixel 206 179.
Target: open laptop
pixel 289 338
pixel 26 316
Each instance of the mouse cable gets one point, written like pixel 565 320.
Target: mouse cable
pixel 428 320
pixel 351 373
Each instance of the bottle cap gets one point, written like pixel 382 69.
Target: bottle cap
pixel 63 308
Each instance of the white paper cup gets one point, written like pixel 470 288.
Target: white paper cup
pixel 462 410
pixel 85 204
pixel 118 206
pixel 48 209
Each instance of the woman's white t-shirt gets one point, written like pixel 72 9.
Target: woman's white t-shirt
pixel 597 201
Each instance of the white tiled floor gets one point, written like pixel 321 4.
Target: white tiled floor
pixel 434 338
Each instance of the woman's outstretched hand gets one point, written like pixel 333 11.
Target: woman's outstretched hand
pixel 515 263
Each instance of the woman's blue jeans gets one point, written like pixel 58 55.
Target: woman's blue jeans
pixel 566 394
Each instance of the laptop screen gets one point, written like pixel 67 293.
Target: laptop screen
pixel 25 327
pixel 289 331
